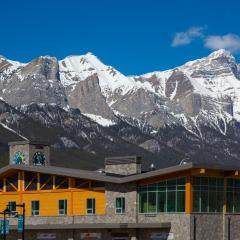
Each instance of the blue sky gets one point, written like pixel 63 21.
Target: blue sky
pixel 135 36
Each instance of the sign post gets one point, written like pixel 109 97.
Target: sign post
pixel 20 223
pixel 4 225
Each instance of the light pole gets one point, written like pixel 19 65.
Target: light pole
pixel 23 220
pixel 5 212
pixel 8 212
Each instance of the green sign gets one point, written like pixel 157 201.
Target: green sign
pixel 20 223
pixel 6 226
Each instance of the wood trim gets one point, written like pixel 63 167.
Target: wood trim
pixel 11 184
pixel 54 182
pixel 46 182
pixel 225 196
pixel 188 195
pixel 38 181
pixel 63 181
pixel 29 184
pixel 4 184
pixel 19 181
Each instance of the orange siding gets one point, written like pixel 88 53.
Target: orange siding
pixel 188 195
pixel 49 199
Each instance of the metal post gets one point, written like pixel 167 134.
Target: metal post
pixel 229 228
pixel 23 232
pixel 4 225
pixel 194 228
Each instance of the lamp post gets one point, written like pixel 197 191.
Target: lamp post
pixel 8 212
pixel 23 220
pixel 5 212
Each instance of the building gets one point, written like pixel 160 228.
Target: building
pixel 185 202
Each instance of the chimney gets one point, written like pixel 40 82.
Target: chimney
pixel 127 165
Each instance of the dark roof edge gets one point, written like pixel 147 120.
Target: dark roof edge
pixel 28 142
pixel 122 160
pixel 92 175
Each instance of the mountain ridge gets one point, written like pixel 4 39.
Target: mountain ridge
pixel 196 102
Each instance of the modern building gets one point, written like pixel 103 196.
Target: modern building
pixel 185 202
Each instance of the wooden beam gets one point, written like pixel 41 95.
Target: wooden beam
pixel 54 182
pixel 38 181
pixel 4 184
pixel 225 196
pixel 188 195
pixel 19 181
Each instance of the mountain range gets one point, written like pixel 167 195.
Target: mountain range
pixel 88 110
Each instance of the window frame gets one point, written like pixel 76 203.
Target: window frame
pixel 64 210
pixel 91 210
pixel 122 207
pixel 35 212
pixel 162 191
pixel 205 189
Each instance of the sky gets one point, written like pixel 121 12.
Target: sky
pixel 134 36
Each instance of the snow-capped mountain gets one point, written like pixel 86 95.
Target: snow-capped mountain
pixel 197 103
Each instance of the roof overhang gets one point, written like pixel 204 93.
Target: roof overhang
pixel 92 175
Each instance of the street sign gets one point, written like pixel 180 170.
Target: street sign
pixel 20 223
pixel 6 227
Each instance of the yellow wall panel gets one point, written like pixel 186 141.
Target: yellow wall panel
pixel 48 199
pixel 8 197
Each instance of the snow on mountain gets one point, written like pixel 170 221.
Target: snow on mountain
pixel 78 68
pixel 100 120
pixel 8 67
pixel 208 84
pixel 218 75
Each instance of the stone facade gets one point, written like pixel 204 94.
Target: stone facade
pixel 29 150
pixel 123 169
pixel 129 192
pixel 180 224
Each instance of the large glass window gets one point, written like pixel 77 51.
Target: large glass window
pixel 207 194
pixel 91 206
pixel 35 208
pixel 164 196
pixel 120 205
pixel 62 207
pixel 233 195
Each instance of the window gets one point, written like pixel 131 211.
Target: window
pixel 120 205
pixel 35 208
pixel 91 206
pixel 207 194
pixel 12 206
pixel 164 196
pixel 62 207
pixel 233 195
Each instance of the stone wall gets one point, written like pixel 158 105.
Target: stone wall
pixel 28 150
pixel 44 149
pixel 180 224
pixel 128 191
pixel 75 234
pixel 208 226
pixel 123 169
pixel 24 148
pixel 234 225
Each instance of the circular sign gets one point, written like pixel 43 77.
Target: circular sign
pixel 39 158
pixel 19 158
